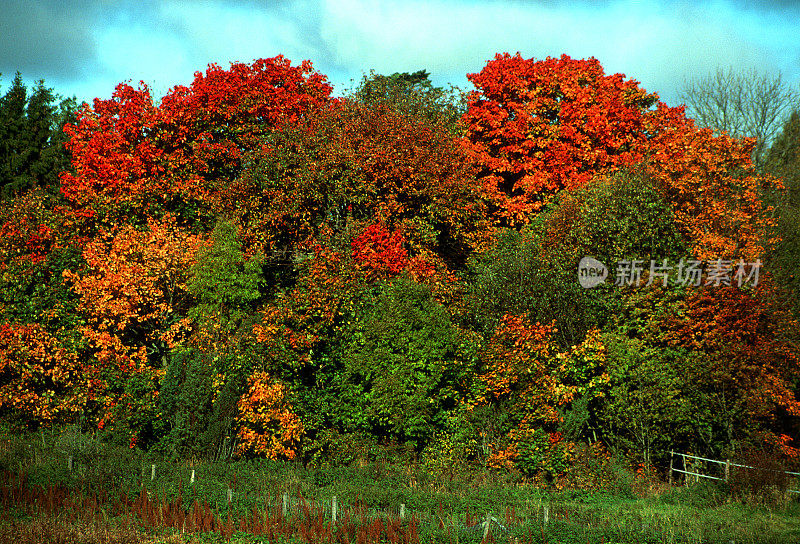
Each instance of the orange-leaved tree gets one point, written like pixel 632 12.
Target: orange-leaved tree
pixel 133 298
pixel 536 127
pixel 267 424
pixel 520 385
pixel 539 127
pixel 750 343
pixel 40 380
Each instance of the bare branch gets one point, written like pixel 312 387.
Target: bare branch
pixel 743 104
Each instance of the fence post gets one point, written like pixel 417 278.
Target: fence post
pixel 685 470
pixel 671 454
pixel 191 479
pixel 727 469
pixel 152 472
pixel 230 495
pixel 69 463
pixel 285 504
pixel 333 509
pixel 403 510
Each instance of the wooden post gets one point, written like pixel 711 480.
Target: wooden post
pixel 546 513
pixel 285 504
pixel 152 472
pixel 334 506
pixel 230 495
pixel 403 510
pixel 685 476
pixel 671 454
pixel 191 478
pixel 727 469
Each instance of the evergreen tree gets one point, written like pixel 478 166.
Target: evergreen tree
pixel 32 150
pixel 783 161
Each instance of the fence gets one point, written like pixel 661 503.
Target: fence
pixel 727 464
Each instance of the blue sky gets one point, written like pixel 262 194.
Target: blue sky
pixel 85 47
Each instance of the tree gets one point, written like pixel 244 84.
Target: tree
pixel 32 150
pixel 413 94
pixel 133 298
pixel 783 161
pixel 401 366
pixel 267 424
pixel 750 104
pixel 225 284
pixel 354 164
pixel 537 127
pixel 647 408
pixel 207 375
pixel 522 388
pixel 751 342
pixel 533 272
pixel 133 158
pixel 783 158
pixel 710 368
pixel 41 382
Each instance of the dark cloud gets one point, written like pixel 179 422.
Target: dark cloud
pixel 50 40
pixel 54 39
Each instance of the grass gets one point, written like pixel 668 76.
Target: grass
pixel 98 498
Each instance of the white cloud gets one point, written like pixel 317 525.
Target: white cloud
pixel 659 46
pixel 221 33
pixel 657 43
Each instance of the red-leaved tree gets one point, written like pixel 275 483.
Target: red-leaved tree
pixel 538 127
pixel 133 157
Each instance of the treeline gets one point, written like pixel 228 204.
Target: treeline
pixel 250 267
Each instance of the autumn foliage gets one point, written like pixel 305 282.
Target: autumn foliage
pixel 42 381
pixel 538 127
pixel 251 267
pixel 268 428
pixel 132 156
pixel 380 251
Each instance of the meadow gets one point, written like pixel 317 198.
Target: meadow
pixel 62 487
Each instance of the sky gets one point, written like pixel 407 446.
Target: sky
pixel 84 48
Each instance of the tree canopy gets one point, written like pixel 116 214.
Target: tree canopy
pixel 253 267
pixel 32 141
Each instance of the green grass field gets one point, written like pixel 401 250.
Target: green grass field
pixel 112 494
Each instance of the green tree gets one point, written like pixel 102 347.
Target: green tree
pixel 783 157
pixel 225 281
pixel 413 94
pixel 205 378
pixel 401 369
pixel 32 141
pixel 515 278
pixel 783 161
pixel 647 409
pixel 534 272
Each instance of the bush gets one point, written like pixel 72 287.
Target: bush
pixel 765 482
